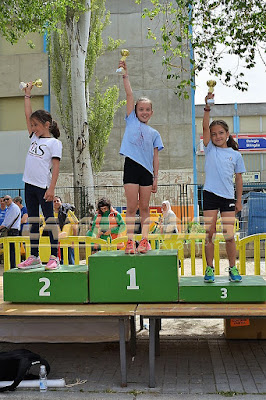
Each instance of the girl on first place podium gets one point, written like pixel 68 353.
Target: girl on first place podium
pixel 140 146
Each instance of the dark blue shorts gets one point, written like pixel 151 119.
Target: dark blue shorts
pixel 213 202
pixel 136 173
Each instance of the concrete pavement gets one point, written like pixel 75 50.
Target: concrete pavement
pixel 208 368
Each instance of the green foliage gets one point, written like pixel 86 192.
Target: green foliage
pixel 60 65
pixel 100 19
pixel 100 117
pixel 213 29
pixel 102 107
pixel 20 17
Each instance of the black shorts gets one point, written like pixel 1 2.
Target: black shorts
pixel 136 173
pixel 213 202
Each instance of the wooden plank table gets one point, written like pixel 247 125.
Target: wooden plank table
pixel 120 311
pixel 157 311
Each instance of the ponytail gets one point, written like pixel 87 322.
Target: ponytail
pixel 232 143
pixel 54 129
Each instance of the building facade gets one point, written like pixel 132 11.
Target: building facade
pixel 247 124
pixel 172 116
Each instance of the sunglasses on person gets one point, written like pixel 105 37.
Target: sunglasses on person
pixel 6 198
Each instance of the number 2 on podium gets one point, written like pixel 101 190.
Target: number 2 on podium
pixel 132 279
pixel 43 291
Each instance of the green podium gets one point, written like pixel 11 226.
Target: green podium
pixel 252 289
pixel 68 284
pixel 118 278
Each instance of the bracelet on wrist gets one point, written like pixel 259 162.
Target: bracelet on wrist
pixel 27 97
pixel 125 76
pixel 207 109
pixel 155 177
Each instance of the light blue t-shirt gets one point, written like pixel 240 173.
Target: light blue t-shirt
pixel 220 166
pixel 139 141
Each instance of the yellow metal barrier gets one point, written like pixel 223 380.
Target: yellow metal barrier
pixel 76 241
pixel 167 241
pixel 241 245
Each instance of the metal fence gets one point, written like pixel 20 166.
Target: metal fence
pixel 181 197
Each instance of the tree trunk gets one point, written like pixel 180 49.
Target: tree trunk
pixel 78 36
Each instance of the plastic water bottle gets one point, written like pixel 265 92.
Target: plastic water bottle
pixel 43 379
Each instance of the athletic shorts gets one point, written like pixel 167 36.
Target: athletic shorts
pixel 213 202
pixel 136 173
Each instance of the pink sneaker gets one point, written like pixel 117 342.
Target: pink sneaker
pixel 52 264
pixel 130 247
pixel 31 263
pixel 144 246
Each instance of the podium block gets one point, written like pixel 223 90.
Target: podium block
pixel 68 284
pixel 252 289
pixel 118 278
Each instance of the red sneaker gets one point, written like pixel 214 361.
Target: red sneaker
pixel 144 246
pixel 130 247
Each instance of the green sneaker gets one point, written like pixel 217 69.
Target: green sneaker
pixel 209 275
pixel 234 274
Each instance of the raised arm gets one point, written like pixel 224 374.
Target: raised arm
pixel 27 106
pixel 128 90
pixel 206 120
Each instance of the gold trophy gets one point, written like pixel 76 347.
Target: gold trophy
pixel 211 85
pixel 37 83
pixel 124 53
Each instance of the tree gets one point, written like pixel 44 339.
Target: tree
pixel 74 32
pixel 65 84
pixel 213 29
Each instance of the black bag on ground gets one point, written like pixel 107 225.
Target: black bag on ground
pixel 15 366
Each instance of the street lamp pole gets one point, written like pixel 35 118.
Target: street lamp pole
pixel 193 118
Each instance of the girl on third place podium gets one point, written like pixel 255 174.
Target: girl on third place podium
pixel 222 163
pixel 140 146
pixel 44 154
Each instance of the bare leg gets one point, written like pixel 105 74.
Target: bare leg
pixel 144 201
pixel 228 219
pixel 210 218
pixel 132 193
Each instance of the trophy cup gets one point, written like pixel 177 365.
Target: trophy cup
pixel 37 83
pixel 124 53
pixel 211 85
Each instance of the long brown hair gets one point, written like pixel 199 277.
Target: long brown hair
pixel 230 141
pixel 43 116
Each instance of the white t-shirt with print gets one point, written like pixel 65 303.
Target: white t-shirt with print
pixel 38 163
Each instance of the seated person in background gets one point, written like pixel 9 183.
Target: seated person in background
pixel 168 221
pixel 2 209
pixel 108 222
pixel 67 223
pixel 24 216
pixel 12 223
